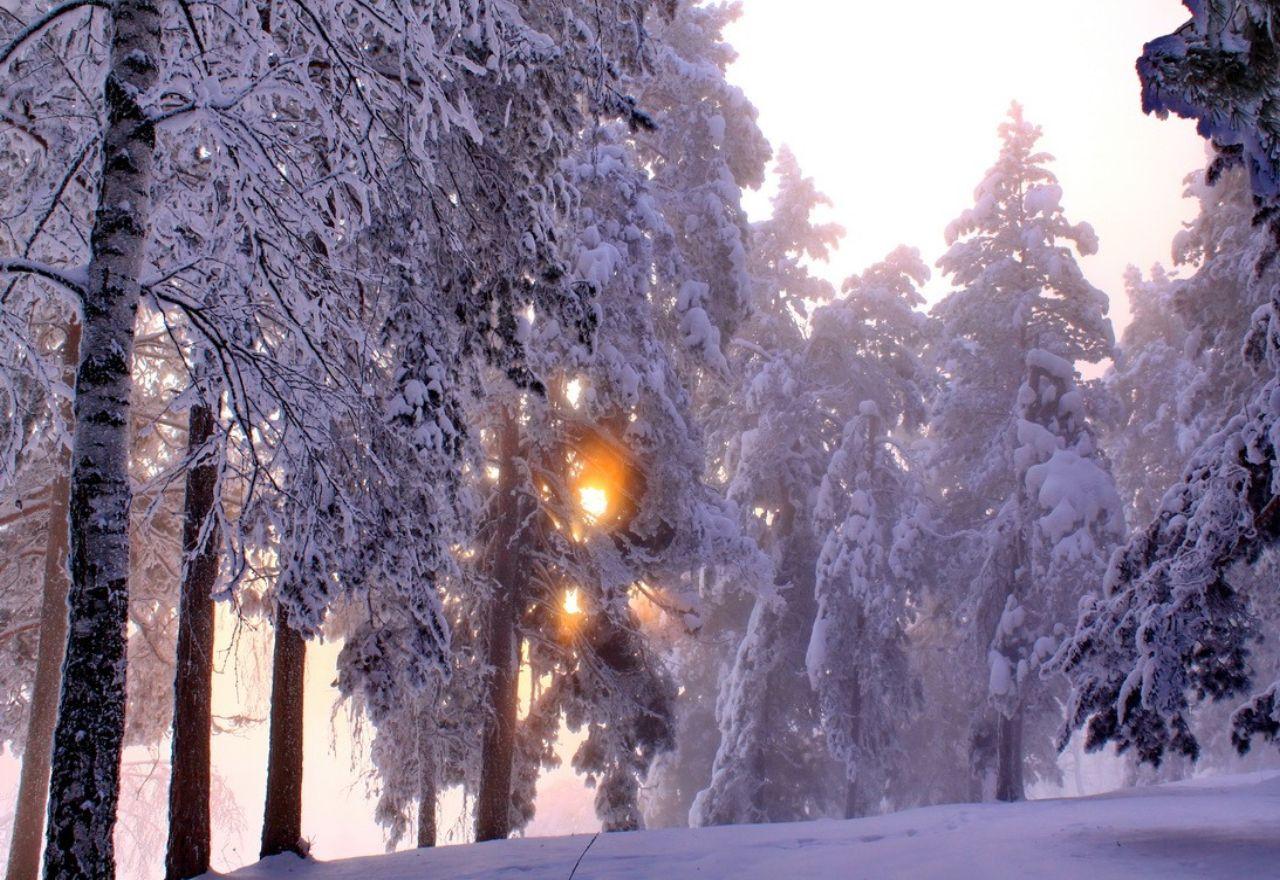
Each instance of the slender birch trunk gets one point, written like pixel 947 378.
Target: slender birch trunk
pixel 33 790
pixel 85 779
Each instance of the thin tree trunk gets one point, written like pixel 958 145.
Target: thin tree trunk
pixel 85 781
pixel 426 791
pixel 854 797
pixel 799 608
pixel 493 801
pixel 854 805
pixel 1009 758
pixel 189 826
pixel 33 790
pixel 282 816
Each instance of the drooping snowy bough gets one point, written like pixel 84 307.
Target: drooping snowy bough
pixel 1171 624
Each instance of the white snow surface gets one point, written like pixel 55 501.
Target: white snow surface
pixel 1215 827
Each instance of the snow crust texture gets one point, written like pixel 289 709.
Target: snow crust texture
pixel 1206 829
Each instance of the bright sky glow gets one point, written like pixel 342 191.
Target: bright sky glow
pixel 573 392
pixel 893 108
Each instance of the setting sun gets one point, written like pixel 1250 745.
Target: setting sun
pixel 572 601
pixel 594 501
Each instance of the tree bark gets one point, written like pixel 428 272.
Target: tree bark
pixel 493 802
pixel 282 816
pixel 783 698
pixel 854 803
pixel 33 789
pixel 1009 758
pixel 854 797
pixel 85 780
pixel 189 825
pixel 426 791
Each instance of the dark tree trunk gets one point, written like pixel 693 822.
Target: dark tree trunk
pixel 493 802
pixel 189 826
pixel 854 802
pixel 783 697
pixel 33 790
pixel 1009 758
pixel 426 791
pixel 84 785
pixel 282 817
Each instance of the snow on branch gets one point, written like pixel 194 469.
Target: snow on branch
pixel 75 280
pixel 44 21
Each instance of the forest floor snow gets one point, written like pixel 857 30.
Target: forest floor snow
pixel 1215 827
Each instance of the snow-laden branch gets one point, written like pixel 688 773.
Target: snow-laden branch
pixel 75 280
pixel 44 21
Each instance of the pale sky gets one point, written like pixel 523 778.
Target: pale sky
pixel 892 107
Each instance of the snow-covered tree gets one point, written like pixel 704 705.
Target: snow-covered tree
pixel 1021 310
pixel 270 133
pixel 771 763
pixel 1190 329
pixel 623 440
pixel 858 655
pixel 706 149
pixel 604 231
pixel 1147 437
pixel 1171 623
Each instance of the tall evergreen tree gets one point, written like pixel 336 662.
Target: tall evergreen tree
pixel 706 152
pixel 771 764
pixel 1020 303
pixel 868 503
pixel 1147 438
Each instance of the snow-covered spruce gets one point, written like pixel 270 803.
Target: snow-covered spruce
pixel 1171 624
pixel 1007 430
pixel 768 765
pixel 858 657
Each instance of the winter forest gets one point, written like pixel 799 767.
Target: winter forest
pixel 462 395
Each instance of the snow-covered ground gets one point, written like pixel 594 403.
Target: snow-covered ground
pixel 1223 827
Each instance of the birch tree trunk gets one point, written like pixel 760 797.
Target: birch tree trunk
pixel 85 779
pixel 282 814
pixel 189 844
pixel 33 790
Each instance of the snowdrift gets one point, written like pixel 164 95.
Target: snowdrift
pixel 1223 827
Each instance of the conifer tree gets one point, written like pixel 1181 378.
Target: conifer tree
pixel 1171 623
pixel 771 763
pixel 1021 311
pixel 868 504
pixel 1147 439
